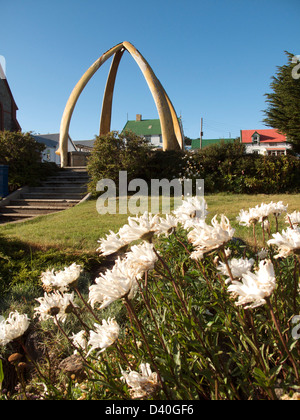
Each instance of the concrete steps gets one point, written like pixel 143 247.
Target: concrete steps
pixel 64 190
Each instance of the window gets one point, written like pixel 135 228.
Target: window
pixel 255 138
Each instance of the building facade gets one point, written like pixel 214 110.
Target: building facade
pixel 51 142
pixel 265 142
pixel 149 129
pixel 8 107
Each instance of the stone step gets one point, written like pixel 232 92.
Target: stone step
pixel 67 181
pixel 74 169
pixel 12 217
pixel 45 196
pixel 61 191
pixel 44 203
pixel 29 210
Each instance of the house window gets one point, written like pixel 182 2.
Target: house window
pixel 148 138
pixel 255 138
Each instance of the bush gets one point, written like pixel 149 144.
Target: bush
pixel 23 155
pixel 224 167
pixel 117 152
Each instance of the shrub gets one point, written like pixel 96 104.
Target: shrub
pixel 23 155
pixel 224 167
pixel 117 152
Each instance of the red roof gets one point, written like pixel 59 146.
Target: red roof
pixel 266 136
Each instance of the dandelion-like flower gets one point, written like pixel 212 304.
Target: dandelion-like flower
pixel 143 227
pixel 13 327
pixel 207 238
pixel 113 243
pixel 115 284
pixel 61 280
pixel 104 335
pixel 238 267
pixel 55 305
pixel 255 287
pixel 144 384
pixel 288 242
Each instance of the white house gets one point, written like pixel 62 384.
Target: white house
pixel 51 141
pixel 265 142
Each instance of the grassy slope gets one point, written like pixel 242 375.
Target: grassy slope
pixel 78 229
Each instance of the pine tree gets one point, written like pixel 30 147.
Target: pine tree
pixel 283 112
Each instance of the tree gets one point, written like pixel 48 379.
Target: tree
pixel 23 156
pixel 283 112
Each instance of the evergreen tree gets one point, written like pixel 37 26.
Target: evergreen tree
pixel 283 112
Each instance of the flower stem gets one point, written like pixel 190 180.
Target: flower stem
pixel 276 323
pixel 87 305
pixel 130 308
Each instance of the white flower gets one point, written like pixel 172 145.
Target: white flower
pixel 79 340
pixel 260 213
pixel 63 279
pixel 167 225
pixel 142 385
pixel 277 208
pixel 141 258
pixel 191 211
pixel 113 285
pixel 113 243
pixel 293 218
pixel 238 267
pixel 55 305
pixel 247 218
pixel 206 238
pixel 13 327
pixel 254 288
pixel 143 227
pixel 262 254
pixel 287 242
pixel 104 335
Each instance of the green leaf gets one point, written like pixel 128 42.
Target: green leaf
pixel 1 374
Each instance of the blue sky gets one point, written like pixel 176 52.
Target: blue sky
pixel 215 59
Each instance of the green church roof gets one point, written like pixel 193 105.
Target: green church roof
pixel 144 127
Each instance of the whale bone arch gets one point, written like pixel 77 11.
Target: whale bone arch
pixel 172 135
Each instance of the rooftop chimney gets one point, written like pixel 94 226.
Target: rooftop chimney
pixel 138 117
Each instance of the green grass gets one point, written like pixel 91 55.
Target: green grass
pixel 78 229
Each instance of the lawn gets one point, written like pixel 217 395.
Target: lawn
pixel 78 229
